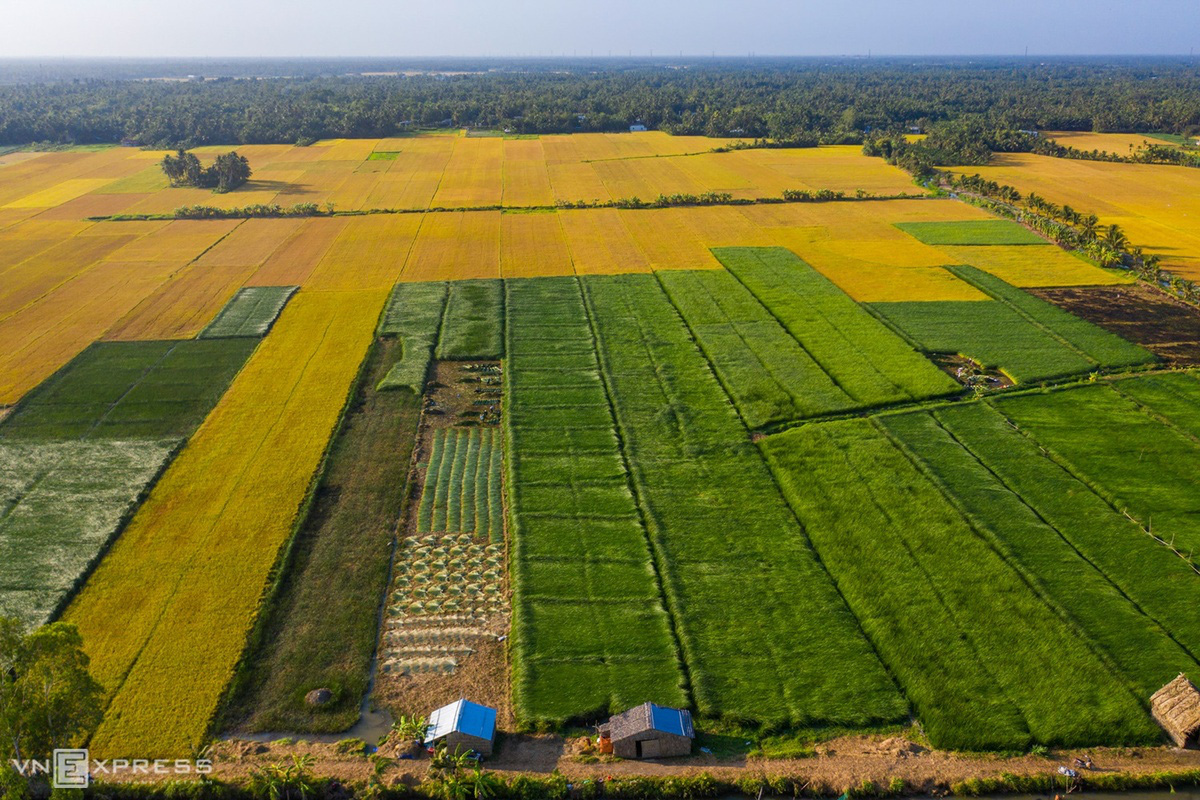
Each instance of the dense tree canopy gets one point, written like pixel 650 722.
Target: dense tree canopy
pixel 837 99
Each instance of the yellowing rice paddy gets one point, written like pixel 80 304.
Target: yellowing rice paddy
pixel 1157 206
pixel 189 269
pixel 166 615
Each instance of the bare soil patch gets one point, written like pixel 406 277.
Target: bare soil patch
pixel 1167 327
pixel 970 374
pixel 460 394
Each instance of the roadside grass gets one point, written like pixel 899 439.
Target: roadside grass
pixel 322 628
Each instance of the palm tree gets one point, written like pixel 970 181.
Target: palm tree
pixel 1088 226
pixel 1115 237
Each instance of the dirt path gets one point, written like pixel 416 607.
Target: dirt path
pixel 837 765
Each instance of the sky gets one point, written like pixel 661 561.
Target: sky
pixel 331 28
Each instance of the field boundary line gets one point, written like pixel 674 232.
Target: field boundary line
pixel 1094 487
pixel 789 332
pixel 996 543
pixel 657 558
pixel 936 590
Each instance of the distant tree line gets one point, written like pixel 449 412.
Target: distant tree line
pixel 799 100
pixel 972 141
pixel 228 172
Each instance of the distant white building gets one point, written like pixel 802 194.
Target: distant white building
pixel 637 127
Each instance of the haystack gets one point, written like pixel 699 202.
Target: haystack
pixel 1176 707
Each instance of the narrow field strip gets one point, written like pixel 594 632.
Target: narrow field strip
pixel 984 670
pixel 1134 642
pixel 473 325
pixel 323 625
pixel 414 315
pixel 166 615
pixel 764 632
pixel 972 233
pixel 458 485
pixel 1148 471
pixel 589 632
pixel 867 360
pixel 768 375
pixel 251 312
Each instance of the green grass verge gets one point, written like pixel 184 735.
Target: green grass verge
pixel 971 232
pixel 869 362
pixel 250 312
pixel 321 630
pixel 994 669
pixel 764 633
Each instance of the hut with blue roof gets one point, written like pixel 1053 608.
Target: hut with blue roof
pixel 649 731
pixel 463 725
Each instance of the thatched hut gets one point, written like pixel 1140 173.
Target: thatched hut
pixel 1176 707
pixel 649 731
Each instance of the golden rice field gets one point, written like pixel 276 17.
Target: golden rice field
pixel 65 282
pixel 1158 206
pixel 1121 144
pixel 441 171
pixel 166 614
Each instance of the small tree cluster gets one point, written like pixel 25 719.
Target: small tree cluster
pixel 228 172
pixel 47 696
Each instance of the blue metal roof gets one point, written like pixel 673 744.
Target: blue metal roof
pixel 671 720
pixel 461 716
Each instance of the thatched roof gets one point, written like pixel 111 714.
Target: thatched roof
pixel 650 717
pixel 1176 707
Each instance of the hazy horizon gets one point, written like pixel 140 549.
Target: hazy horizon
pixel 617 28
